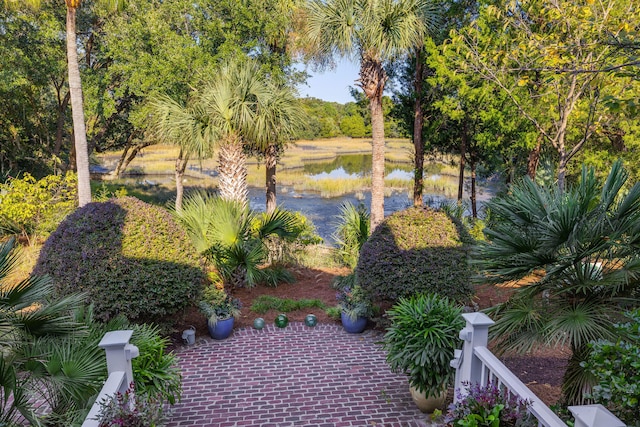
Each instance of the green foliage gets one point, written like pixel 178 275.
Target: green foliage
pixel 31 207
pixel 353 126
pixel 415 251
pixel 577 250
pixel 616 368
pixel 354 303
pixel 264 303
pixel 288 250
pixel 421 340
pixel 334 312
pixel 216 304
pixel 130 257
pixel 131 410
pixel 155 371
pixel 352 231
pixel 232 237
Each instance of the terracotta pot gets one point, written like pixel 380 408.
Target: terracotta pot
pixel 428 404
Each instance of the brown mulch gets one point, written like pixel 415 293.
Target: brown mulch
pixel 542 370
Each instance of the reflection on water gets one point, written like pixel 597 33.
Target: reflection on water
pixel 323 211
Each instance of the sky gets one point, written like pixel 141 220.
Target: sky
pixel 332 85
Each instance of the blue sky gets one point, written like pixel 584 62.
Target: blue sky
pixel 332 85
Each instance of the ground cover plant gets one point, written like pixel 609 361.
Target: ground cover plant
pixel 413 251
pixel 577 251
pixel 131 258
pixel 264 303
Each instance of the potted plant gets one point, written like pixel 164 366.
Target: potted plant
pixel 355 308
pixel 420 343
pixel 220 310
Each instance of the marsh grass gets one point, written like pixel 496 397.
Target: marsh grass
pixel 264 303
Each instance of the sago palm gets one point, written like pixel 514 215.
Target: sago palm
pixel 233 237
pixel 577 257
pixel 375 31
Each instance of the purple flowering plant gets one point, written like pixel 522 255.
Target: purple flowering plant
pixel 489 406
pixel 130 410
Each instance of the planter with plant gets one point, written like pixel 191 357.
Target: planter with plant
pixel 420 343
pixel 489 406
pixel 220 310
pixel 355 309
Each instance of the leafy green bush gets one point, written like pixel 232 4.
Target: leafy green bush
pixel 352 231
pixel 616 367
pixel 414 251
pixel 131 258
pixel 291 250
pixel 35 207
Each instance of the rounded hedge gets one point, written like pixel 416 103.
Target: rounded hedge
pixel 418 250
pixel 130 257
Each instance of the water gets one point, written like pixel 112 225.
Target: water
pixel 323 212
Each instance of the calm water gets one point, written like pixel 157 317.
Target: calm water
pixel 323 211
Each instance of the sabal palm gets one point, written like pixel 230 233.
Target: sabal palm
pixel 233 237
pixel 238 111
pixel 376 31
pixel 27 319
pixel 75 91
pixel 579 253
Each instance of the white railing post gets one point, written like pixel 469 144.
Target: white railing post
pixel 119 352
pixel 474 334
pixel 594 416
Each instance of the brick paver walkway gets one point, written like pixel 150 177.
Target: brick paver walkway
pixel 298 376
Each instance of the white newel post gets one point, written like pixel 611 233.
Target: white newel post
pixel 119 353
pixel 594 416
pixel 475 334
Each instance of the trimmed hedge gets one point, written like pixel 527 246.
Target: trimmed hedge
pixel 130 257
pixel 418 250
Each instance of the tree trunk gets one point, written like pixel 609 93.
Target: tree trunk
pixel 232 171
pixel 418 119
pixel 534 160
pixel 77 112
pixel 474 207
pixel 62 109
pixel 271 161
pixel 181 166
pixel 562 169
pixel 463 153
pixel 377 168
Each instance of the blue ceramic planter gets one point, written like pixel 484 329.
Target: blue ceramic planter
pixel 222 329
pixel 353 326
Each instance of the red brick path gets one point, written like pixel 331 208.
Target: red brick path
pixel 298 376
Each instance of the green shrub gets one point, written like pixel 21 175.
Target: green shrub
pixel 131 258
pixel 35 207
pixel 352 231
pixel 616 367
pixel 414 251
pixel 292 251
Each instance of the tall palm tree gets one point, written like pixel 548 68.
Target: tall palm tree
pixel 376 31
pixel 579 253
pixel 277 119
pixel 75 91
pixel 239 111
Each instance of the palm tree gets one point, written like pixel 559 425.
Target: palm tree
pixel 579 253
pixel 278 118
pixel 376 31
pixel 184 126
pixel 75 91
pixel 233 237
pixel 28 317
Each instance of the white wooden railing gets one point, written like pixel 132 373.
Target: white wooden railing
pixel 476 364
pixel 119 354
